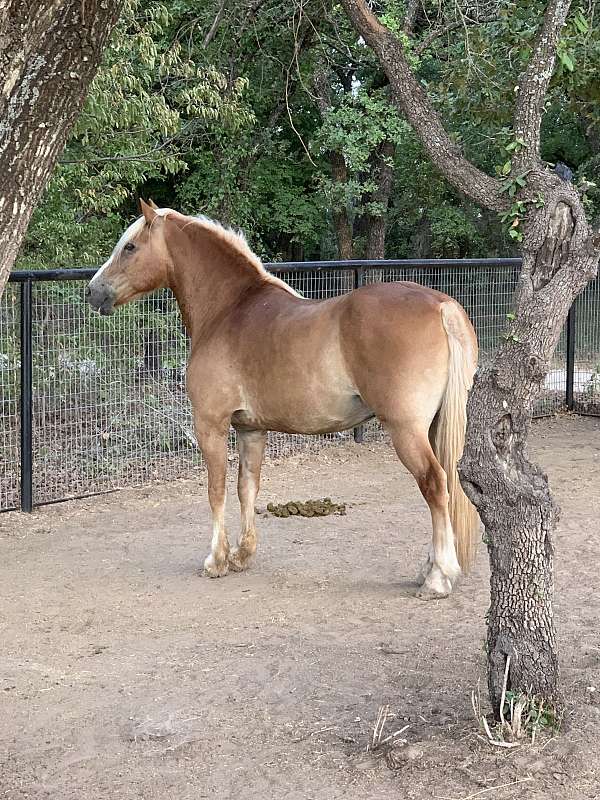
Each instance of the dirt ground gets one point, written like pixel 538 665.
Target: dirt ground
pixel 125 674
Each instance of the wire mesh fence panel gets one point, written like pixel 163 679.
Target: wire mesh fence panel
pixel 553 396
pixel 586 379
pixel 9 397
pixel 109 402
pixel 319 284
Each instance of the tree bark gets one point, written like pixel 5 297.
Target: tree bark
pixel 560 256
pixel 534 82
pixel 410 15
pixel 377 223
pixel 49 54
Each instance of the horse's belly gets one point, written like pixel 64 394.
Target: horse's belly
pixel 328 417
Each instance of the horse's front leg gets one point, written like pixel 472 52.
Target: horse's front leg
pixel 213 443
pixel 251 447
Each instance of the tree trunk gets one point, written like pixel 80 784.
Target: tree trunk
pixel 49 54
pixel 511 493
pixel 341 222
pixel 339 172
pixel 412 8
pixel 377 223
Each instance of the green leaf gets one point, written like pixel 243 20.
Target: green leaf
pixel 566 60
pixel 581 22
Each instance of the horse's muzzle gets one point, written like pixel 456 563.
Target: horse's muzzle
pixel 101 296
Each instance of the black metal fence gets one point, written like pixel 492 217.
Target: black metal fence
pixel 90 404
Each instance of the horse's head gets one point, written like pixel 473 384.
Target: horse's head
pixel 139 264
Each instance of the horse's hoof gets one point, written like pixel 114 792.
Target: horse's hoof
pixel 238 562
pixel 430 594
pixel 213 570
pixel 436 586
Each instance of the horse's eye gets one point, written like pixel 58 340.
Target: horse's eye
pixel 129 246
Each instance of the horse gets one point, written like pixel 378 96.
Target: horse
pixel 263 358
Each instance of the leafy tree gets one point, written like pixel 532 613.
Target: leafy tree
pixel 149 103
pixel 273 117
pixel 546 213
pixel 267 116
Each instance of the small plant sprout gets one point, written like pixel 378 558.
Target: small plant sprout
pixel 522 716
pixel 508 336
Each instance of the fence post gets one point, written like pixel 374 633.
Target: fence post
pixel 26 398
pixel 359 280
pixel 571 336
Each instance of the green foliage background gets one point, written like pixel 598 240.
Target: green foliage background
pixel 212 108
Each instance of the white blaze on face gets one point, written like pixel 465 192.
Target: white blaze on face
pixel 131 231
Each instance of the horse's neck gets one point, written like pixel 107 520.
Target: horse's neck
pixel 208 278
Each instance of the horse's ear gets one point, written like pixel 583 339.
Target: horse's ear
pixel 153 205
pixel 147 210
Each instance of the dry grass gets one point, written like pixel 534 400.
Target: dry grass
pixel 387 746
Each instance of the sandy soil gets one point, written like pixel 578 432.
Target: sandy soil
pixel 124 674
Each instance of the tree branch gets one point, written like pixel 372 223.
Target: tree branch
pixel 213 28
pixel 451 26
pixel 145 156
pixel 534 82
pixel 410 97
pixel 435 34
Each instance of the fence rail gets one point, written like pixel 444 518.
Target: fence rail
pixel 89 404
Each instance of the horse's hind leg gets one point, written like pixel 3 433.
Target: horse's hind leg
pixel 251 446
pixel 414 450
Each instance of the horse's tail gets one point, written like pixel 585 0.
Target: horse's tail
pixel 449 434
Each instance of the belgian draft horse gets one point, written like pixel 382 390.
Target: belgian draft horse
pixel 265 358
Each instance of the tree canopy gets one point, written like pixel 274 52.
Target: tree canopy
pixel 273 117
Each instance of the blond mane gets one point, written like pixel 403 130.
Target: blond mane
pixel 236 241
